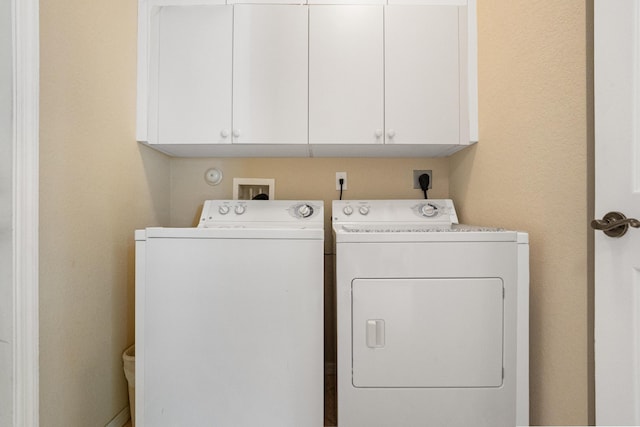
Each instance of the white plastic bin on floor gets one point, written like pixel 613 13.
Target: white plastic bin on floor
pixel 129 359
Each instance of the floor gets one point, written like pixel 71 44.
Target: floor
pixel 330 417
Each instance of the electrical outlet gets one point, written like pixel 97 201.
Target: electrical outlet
pixel 342 175
pixel 416 176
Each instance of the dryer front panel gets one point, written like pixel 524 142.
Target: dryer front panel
pixel 435 332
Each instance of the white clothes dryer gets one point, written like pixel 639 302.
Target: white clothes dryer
pixel 229 318
pixel 432 317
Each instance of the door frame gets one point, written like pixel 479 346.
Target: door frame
pixel 26 51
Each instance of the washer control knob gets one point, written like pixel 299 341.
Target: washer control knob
pixel 223 210
pixel 364 210
pixel 240 209
pixel 429 210
pixel 347 210
pixel 305 211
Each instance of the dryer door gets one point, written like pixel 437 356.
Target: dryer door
pixel 427 332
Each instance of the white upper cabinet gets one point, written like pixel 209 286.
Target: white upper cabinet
pixel 395 75
pixel 346 74
pixel 422 75
pixel 190 75
pixel 270 74
pixel 222 74
pixel 364 78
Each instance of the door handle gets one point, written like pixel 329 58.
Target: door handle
pixel 614 224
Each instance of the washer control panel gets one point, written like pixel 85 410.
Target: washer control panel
pixel 220 213
pixel 429 211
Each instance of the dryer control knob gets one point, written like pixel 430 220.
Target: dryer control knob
pixel 347 210
pixel 223 210
pixel 364 210
pixel 240 209
pixel 305 211
pixel 429 210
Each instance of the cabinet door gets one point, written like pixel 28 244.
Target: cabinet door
pixel 270 74
pixel 190 91
pixel 346 62
pixel 422 75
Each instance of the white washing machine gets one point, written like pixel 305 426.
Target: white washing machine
pixel 432 317
pixel 229 318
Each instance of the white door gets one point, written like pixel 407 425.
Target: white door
pixel 346 74
pixel 617 187
pixel 270 74
pixel 190 75
pixel 422 74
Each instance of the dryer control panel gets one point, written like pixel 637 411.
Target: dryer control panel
pixel 433 212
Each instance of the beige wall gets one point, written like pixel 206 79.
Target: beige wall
pixel 529 172
pixel 96 186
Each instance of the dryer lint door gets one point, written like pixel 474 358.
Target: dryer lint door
pixel 427 332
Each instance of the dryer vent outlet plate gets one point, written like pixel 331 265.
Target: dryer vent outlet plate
pixel 416 177
pixel 254 188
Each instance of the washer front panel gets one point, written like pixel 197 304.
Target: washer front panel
pixel 229 332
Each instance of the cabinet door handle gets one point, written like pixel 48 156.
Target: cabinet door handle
pixel 236 133
pixel 391 133
pixel 224 133
pixel 378 133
